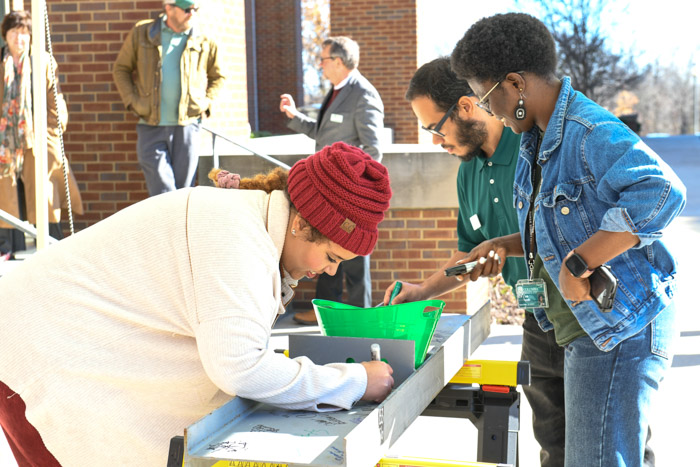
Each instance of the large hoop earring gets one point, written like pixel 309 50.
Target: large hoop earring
pixel 520 109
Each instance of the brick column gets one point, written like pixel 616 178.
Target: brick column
pixel 274 45
pixel 386 31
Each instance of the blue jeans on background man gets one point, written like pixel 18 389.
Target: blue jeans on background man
pixel 608 394
pixel 168 156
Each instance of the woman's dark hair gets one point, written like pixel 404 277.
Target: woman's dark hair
pixel 437 81
pixel 502 44
pixel 16 19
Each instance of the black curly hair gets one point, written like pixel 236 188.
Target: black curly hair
pixel 502 44
pixel 439 83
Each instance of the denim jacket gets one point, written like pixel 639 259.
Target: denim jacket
pixel 599 175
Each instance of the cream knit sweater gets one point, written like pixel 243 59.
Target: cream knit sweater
pixel 119 337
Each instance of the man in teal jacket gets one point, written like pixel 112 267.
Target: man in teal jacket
pixel 168 75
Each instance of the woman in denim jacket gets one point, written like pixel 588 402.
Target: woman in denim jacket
pixel 598 195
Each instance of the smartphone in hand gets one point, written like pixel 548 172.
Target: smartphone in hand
pixel 603 287
pixel 460 269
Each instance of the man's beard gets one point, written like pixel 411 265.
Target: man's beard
pixel 471 134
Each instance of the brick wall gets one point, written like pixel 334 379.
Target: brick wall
pixel 386 31
pixel 277 47
pixel 100 141
pixel 413 244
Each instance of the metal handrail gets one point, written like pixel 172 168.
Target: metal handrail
pixel 215 154
pixel 24 226
pixel 30 230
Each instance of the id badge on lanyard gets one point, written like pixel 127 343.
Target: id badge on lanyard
pixel 532 293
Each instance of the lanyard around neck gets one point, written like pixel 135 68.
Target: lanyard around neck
pixel 536 180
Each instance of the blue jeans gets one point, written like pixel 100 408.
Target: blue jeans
pixel 608 394
pixel 168 156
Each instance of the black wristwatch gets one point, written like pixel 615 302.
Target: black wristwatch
pixel 576 265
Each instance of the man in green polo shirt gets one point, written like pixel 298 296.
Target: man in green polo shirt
pixel 447 108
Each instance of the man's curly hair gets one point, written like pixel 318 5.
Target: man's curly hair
pixel 438 82
pixel 502 44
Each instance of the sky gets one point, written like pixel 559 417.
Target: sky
pixel 667 34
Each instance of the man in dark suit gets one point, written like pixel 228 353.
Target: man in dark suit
pixel 352 112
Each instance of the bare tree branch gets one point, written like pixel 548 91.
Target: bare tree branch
pixel 584 51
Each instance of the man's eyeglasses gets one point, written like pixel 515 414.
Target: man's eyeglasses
pixel 436 129
pixel 323 59
pixel 483 103
pixel 189 10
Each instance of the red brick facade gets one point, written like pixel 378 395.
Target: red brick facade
pixel 100 141
pixel 386 31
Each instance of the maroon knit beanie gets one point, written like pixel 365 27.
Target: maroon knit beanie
pixel 343 193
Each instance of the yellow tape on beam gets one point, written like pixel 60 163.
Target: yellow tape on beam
pixel 493 372
pixel 386 462
pixel 247 464
pixel 423 462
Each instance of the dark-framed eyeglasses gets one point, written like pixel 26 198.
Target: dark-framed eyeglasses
pixel 323 59
pixel 192 9
pixel 436 129
pixel 483 103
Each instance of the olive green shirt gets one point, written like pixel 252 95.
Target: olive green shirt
pixel 566 326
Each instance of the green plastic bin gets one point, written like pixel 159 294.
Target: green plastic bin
pixel 414 320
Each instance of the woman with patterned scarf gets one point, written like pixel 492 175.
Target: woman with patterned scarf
pixel 17 195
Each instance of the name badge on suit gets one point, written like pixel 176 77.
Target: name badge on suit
pixel 336 118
